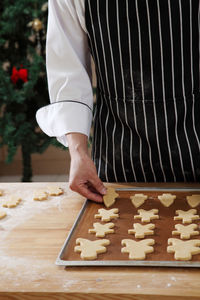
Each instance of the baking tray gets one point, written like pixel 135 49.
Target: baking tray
pixel 163 228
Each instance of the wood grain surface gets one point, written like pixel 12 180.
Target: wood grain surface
pixel 31 237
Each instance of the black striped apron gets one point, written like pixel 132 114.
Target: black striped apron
pixel 147 116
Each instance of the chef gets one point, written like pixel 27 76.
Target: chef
pixel 147 113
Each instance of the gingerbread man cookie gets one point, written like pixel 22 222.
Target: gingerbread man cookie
pixel 167 199
pixel 137 250
pixel 185 231
pixel 2 214
pixel 109 198
pixel 40 195
pixel 193 200
pixel 141 230
pixel 12 202
pixel 186 216
pixel 183 250
pixel 138 199
pixel 106 215
pixel 90 249
pixel 102 229
pixel 147 215
pixel 54 190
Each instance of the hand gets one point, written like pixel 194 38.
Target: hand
pixel 84 179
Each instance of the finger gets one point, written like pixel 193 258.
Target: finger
pixel 86 192
pixel 98 185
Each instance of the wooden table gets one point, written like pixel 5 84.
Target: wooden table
pixel 31 237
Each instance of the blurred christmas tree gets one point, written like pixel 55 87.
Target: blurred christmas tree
pixel 23 86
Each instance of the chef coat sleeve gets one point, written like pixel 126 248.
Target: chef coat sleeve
pixel 68 73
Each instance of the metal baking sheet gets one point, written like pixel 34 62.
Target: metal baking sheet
pixel 62 259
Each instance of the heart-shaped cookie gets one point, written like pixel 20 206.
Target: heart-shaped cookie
pixel 167 199
pixel 138 199
pixel 193 200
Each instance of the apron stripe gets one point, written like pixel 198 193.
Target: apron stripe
pixel 173 91
pixel 153 94
pixel 183 87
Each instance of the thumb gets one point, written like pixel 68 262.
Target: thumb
pixel 98 185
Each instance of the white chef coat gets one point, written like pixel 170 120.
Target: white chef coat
pixel 68 72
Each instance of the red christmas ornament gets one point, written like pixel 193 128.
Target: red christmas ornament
pixel 19 74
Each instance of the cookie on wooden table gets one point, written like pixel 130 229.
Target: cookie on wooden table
pixel 12 202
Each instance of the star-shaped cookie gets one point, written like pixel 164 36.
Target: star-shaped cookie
pixel 147 215
pixel 107 214
pixel 102 229
pixel 186 216
pixel 183 250
pixel 141 230
pixel 185 231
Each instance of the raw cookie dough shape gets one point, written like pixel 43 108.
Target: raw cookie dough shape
pixel 2 214
pixel 55 190
pixel 167 199
pixel 107 214
pixel 12 202
pixel 141 230
pixel 110 197
pixel 40 195
pixel 193 200
pixel 183 250
pixel 102 229
pixel 138 199
pixel 1 192
pixel 137 250
pixel 186 216
pixel 185 231
pixel 147 215
pixel 90 249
